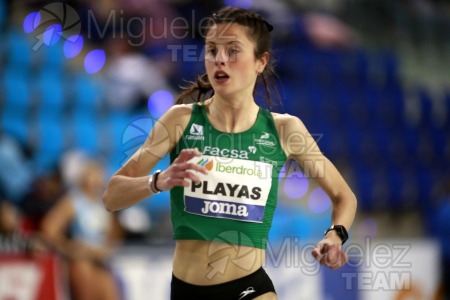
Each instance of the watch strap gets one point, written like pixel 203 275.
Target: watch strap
pixel 341 231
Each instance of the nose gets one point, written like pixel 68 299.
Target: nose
pixel 221 57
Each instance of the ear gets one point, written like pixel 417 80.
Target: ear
pixel 262 62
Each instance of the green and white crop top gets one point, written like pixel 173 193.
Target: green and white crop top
pixel 236 200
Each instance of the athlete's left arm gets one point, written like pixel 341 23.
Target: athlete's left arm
pixel 298 144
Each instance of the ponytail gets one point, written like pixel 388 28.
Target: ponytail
pixel 198 91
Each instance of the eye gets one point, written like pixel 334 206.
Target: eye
pixel 233 50
pixel 211 51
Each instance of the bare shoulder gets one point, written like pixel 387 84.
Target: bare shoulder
pixel 294 136
pixel 288 123
pixel 179 111
pixel 177 116
pixel 282 117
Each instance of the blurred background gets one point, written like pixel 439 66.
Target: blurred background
pixel 83 82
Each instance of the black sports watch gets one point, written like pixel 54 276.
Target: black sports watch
pixel 341 232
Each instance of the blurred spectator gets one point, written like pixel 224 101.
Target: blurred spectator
pixel 44 192
pixel 326 31
pixel 12 239
pixel 80 228
pixel 71 167
pixel 131 77
pixel 322 30
pixel 15 173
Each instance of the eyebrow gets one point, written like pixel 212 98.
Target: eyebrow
pixel 228 43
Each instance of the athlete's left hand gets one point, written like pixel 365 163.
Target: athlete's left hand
pixel 329 253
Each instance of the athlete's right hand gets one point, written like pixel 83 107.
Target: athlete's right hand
pixel 178 173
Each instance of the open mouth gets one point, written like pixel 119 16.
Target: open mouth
pixel 221 76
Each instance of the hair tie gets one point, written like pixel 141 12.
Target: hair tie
pixel 269 26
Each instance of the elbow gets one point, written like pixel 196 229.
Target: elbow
pixel 107 201
pixel 350 199
pixel 354 199
pixel 352 202
pixel 347 198
pixel 109 196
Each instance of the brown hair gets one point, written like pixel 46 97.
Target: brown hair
pixel 259 32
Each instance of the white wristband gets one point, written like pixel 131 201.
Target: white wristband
pixel 151 185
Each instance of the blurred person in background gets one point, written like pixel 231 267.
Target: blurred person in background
pixel 80 229
pixel 45 190
pixel 131 77
pixel 15 172
pixel 15 181
pixel 322 30
pixel 12 239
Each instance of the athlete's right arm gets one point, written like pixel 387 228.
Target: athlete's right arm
pixel 129 185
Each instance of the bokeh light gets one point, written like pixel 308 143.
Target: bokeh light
pixel 94 61
pixel 159 102
pixel 52 34
pixel 31 21
pixel 296 185
pixel 73 46
pixel 239 3
pixel 319 201
pixel 135 219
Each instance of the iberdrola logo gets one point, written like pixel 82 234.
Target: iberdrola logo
pixel 207 163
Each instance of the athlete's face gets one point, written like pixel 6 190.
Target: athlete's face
pixel 230 60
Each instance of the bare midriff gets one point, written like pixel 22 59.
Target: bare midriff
pixel 207 263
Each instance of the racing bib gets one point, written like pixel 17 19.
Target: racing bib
pixel 233 189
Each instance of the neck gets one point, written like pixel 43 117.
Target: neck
pixel 233 114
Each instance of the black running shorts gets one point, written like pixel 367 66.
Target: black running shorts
pixel 245 288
